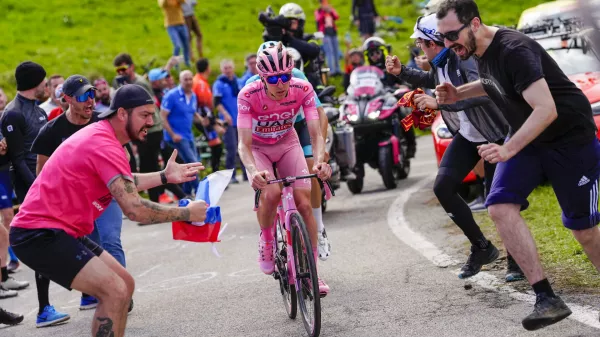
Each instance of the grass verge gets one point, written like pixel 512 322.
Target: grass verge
pixel 563 259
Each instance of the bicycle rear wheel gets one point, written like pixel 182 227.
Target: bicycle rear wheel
pixel 307 281
pixel 288 290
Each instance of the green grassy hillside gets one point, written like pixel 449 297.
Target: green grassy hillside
pixel 83 37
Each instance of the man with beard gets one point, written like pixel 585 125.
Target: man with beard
pixel 153 146
pixel 75 187
pixel 473 122
pixel 79 95
pixel 102 95
pixel 178 111
pixel 20 124
pixel 553 137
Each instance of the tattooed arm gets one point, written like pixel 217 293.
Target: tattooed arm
pixel 145 181
pixel 174 173
pixel 148 212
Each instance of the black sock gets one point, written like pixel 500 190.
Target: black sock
pixel 543 286
pixel 481 243
pixel 4 274
pixel 43 287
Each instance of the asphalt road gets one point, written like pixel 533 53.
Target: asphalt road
pixel 380 286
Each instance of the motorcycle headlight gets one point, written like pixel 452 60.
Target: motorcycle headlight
pixel 353 118
pixel 443 132
pixel 374 114
pixel 596 108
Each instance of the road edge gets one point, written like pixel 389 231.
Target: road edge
pixel 401 228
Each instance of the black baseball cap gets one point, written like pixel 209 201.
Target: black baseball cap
pixel 76 85
pixel 128 96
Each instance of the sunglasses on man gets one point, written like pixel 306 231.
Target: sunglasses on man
pixel 121 69
pixel 87 95
pixel 275 78
pixel 451 36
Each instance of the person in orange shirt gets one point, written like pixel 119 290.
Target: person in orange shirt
pixel 211 126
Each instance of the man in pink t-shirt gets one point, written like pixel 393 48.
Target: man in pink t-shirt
pixel 76 185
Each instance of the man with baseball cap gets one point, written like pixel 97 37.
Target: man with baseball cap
pixel 20 124
pixel 87 171
pixel 473 122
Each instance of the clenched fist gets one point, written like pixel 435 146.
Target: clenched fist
pixel 393 65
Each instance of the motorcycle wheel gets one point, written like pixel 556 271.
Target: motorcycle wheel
pixel 355 186
pixel 386 167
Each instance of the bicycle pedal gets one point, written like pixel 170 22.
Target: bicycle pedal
pixel 276 275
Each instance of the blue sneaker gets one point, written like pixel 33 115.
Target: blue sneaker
pixel 88 302
pixel 50 317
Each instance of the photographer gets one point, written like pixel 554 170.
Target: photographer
pixel 288 27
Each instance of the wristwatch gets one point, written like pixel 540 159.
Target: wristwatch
pixel 163 177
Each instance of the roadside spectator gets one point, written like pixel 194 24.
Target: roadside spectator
pixel 6 213
pixel 52 102
pixel 125 69
pixel 365 14
pixel 170 82
pixel 211 127
pixel 191 21
pixel 20 124
pixel 325 16
pixel 178 111
pixel 176 28
pixel 3 100
pixel 102 95
pixel 225 91
pixel 250 70
pixel 414 52
pixel 63 104
pixel 150 149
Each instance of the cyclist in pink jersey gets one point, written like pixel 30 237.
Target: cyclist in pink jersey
pixel 267 110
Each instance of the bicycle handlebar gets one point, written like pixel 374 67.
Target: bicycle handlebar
pixel 326 186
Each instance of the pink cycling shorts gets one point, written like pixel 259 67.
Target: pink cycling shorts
pixel 288 157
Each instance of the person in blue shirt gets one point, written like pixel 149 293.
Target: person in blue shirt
pixel 250 69
pixel 178 111
pixel 302 130
pixel 225 91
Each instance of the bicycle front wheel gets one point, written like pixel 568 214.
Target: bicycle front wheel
pixel 307 281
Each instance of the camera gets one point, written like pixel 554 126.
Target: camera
pixel 274 25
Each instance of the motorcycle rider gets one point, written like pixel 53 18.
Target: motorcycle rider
pixel 376 51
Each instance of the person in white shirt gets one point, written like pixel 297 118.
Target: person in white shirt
pixel 52 102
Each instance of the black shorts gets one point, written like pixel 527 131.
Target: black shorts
pixel 304 137
pixel 367 25
pixel 53 253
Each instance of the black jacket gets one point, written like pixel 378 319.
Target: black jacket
pixel 20 124
pixel 481 111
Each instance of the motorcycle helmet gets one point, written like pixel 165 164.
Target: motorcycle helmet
pixel 375 47
pixel 298 62
pixel 294 11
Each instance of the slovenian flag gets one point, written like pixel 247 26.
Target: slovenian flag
pixel 210 189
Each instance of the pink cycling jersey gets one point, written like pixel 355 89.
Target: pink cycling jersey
pixel 271 120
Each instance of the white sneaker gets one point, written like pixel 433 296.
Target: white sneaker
pixel 12 284
pixel 323 245
pixel 5 293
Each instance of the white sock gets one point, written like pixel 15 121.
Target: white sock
pixel 318 218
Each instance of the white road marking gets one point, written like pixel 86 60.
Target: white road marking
pixel 149 270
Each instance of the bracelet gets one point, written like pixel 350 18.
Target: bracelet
pixel 163 177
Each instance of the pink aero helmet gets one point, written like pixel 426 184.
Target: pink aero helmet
pixel 274 61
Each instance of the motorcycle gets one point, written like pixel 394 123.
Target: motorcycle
pixel 372 112
pixel 332 113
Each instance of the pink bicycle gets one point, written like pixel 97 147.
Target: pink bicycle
pixel 296 269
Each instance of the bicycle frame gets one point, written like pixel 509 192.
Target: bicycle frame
pixel 285 209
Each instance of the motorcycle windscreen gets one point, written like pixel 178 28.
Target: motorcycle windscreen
pixel 365 80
